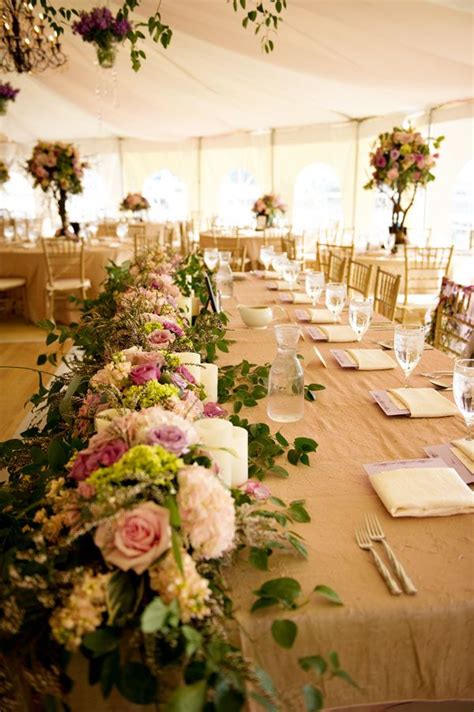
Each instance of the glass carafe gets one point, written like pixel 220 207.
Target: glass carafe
pixel 286 379
pixel 224 277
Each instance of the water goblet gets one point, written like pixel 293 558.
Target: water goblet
pixel 463 392
pixel 314 283
pixel 335 299
pixel 360 316
pixel 267 253
pixel 9 233
pixel 278 263
pixel 211 258
pixel 409 343
pixel 291 270
pixel 121 230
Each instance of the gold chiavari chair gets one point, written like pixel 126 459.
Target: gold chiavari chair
pixel 288 245
pixel 454 319
pixel 272 237
pixel 359 278
pixel 323 251
pixel 387 287
pixel 107 228
pixel 337 268
pixel 65 266
pixel 425 268
pixel 238 249
pixel 141 242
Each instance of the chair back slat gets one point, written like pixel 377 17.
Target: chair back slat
pixel 337 268
pixel 360 278
pixel 454 319
pixel 238 249
pixel 387 286
pixel 425 268
pixel 323 251
pixel 64 258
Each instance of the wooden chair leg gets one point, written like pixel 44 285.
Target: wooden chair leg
pixel 50 305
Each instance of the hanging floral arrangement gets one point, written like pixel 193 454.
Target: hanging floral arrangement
pixel 402 162
pixel 57 168
pixel 103 30
pixel 7 93
pixel 4 174
pixel 135 202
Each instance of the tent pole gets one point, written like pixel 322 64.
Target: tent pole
pixel 121 172
pixel 272 159
pixel 199 186
pixel 356 172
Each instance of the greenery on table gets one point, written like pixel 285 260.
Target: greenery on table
pixel 264 16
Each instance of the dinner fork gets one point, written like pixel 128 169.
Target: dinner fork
pixel 364 542
pixel 376 533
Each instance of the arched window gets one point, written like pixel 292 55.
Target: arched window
pixel 239 191
pixel 317 198
pixel 18 196
pixel 462 206
pixel 90 204
pixel 167 196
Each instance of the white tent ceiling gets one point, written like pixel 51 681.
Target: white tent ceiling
pixel 333 59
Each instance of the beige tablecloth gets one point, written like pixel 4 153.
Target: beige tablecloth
pixel 396 648
pixel 17 261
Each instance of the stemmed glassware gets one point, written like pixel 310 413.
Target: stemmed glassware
pixel 360 316
pixel 314 284
pixel 335 299
pixel 278 263
pixel 291 270
pixel 267 253
pixel 121 230
pixel 409 343
pixel 211 258
pixel 463 391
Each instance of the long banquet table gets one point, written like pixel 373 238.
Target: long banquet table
pixel 18 260
pixel 395 647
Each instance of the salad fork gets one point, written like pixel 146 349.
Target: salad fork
pixel 376 533
pixel 364 542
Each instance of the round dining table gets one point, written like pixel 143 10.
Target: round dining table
pixel 27 260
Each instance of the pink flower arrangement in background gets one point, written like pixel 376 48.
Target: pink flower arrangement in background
pixel 269 205
pixel 134 202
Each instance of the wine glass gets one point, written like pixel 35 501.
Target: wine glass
pixel 360 316
pixel 8 233
pixel 121 230
pixel 267 253
pixel 278 263
pixel 314 283
pixel 463 391
pixel 409 343
pixel 335 299
pixel 291 270
pixel 211 258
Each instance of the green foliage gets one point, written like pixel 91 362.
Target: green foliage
pixel 284 632
pixel 208 334
pixel 300 451
pixel 137 684
pixel 286 592
pixel 263 449
pixel 245 384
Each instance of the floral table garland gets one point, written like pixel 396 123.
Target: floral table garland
pixel 116 528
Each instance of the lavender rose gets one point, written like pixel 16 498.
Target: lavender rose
pixel 170 437
pixel 213 410
pixel 143 373
pixel 135 538
pixel 161 337
pixel 88 461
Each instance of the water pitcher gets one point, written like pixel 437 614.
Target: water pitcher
pixel 286 380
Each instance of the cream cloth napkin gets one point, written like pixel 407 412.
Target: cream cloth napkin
pixel 371 359
pixel 268 274
pixel 338 333
pixel 321 316
pixel 301 298
pixel 464 451
pixel 285 287
pixel 423 492
pixel 422 402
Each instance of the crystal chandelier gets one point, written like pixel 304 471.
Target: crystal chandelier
pixel 26 44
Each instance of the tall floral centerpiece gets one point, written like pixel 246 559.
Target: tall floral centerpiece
pixel 104 31
pixel 402 162
pixel 267 208
pixel 4 174
pixel 135 203
pixel 57 168
pixel 7 94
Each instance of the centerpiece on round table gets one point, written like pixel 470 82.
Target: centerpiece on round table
pixel 4 174
pixel 102 29
pixel 402 162
pixel 267 209
pixel 7 94
pixel 135 203
pixel 57 168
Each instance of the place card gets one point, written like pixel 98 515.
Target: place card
pixel 315 333
pixel 445 453
pixel 302 315
pixel 382 398
pixel 375 467
pixel 343 358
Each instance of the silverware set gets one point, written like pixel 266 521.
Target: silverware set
pixel 367 538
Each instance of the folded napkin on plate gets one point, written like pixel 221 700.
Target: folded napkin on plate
pixel 338 333
pixel 464 451
pixel 423 492
pixel 422 402
pixel 300 298
pixel 371 359
pixel 284 286
pixel 268 274
pixel 321 316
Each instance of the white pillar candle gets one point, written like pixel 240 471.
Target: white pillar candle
pixel 209 374
pixel 192 362
pixel 103 419
pixel 240 463
pixel 186 305
pixel 215 433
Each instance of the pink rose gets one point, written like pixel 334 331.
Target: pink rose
pixel 135 538
pixel 256 489
pixel 88 461
pixel 146 372
pixel 183 371
pixel 213 410
pixel 161 337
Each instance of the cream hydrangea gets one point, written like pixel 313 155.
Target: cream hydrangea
pixel 189 588
pixel 207 512
pixel 82 612
pixel 113 374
